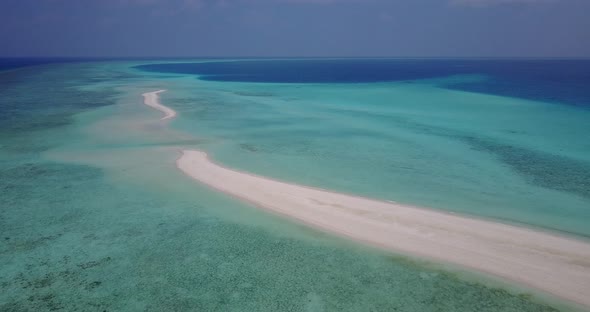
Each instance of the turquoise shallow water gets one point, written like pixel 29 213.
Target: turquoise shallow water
pixel 491 156
pixel 94 215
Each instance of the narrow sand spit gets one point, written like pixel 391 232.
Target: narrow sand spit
pixel 545 261
pixel 151 99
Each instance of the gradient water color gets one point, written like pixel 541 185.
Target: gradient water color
pixel 95 216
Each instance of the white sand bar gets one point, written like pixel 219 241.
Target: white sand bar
pixel 552 263
pixel 555 264
pixel 152 99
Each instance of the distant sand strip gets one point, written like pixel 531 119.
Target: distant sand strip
pixel 551 263
pixel 151 99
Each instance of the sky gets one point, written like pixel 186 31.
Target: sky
pixel 295 28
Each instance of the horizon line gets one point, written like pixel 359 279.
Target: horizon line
pixel 297 57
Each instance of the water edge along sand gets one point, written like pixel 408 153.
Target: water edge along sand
pixel 151 99
pixel 549 262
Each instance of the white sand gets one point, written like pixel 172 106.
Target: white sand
pixel 555 264
pixel 548 262
pixel 152 99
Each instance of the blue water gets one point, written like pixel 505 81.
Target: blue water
pixel 506 139
pixel 95 216
pixel 17 62
pixel 563 81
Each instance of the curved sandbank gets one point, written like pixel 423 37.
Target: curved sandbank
pixel 555 264
pixel 152 99
pixel 549 262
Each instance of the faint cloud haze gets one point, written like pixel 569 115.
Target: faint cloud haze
pixel 484 3
pixel 353 28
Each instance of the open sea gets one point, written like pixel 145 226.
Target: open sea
pixel 94 215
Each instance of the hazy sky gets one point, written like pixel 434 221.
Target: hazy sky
pixel 495 28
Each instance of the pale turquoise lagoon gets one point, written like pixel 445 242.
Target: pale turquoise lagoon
pixel 94 215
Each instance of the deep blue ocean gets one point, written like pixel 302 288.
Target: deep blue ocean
pixel 563 81
pixel 12 63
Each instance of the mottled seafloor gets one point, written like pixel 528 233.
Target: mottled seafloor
pixel 94 215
